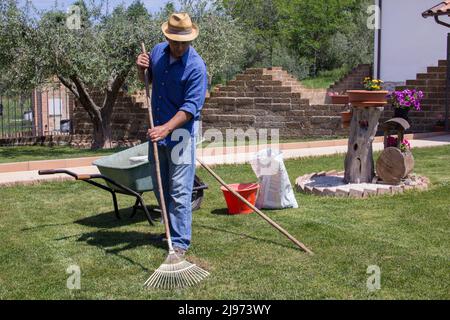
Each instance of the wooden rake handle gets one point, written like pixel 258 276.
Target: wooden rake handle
pixel 259 212
pixel 156 156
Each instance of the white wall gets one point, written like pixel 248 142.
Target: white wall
pixel 409 43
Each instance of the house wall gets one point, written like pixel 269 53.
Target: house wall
pixel 409 43
pixel 51 103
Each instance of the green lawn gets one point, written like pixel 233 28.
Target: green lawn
pixel 46 228
pixel 33 153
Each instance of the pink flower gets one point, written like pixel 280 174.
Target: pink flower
pixel 405 145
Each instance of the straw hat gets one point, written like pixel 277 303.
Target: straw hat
pixel 180 28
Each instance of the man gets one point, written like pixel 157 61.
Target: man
pixel 179 84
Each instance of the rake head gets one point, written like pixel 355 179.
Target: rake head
pixel 176 273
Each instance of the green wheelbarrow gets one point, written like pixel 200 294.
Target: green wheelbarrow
pixel 128 172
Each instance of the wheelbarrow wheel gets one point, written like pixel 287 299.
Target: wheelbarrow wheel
pixel 197 193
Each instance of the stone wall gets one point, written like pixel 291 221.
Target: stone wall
pixel 59 140
pixel 129 121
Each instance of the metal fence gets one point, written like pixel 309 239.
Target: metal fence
pixel 43 112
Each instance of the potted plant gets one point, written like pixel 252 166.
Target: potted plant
pixel 372 96
pixel 405 100
pixel 338 98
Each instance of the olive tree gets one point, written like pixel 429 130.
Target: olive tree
pixel 97 53
pixel 98 56
pixel 17 33
pixel 91 52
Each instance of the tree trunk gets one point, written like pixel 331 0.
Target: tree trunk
pixel 102 135
pixel 359 165
pixel 101 123
pixel 100 116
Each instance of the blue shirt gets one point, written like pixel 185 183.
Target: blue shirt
pixel 180 86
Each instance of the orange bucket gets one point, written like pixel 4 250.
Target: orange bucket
pixel 247 190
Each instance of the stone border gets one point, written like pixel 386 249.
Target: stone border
pixel 47 164
pixel 305 184
pixel 31 181
pixel 27 178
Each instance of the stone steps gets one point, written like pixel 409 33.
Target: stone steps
pixel 315 96
pixel 271 99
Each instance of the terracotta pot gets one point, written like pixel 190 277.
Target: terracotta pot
pixel 339 99
pixel 346 118
pixel 365 98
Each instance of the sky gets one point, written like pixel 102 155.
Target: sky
pixel 152 5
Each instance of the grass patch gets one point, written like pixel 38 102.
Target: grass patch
pixel 33 153
pixel 46 228
pixel 325 78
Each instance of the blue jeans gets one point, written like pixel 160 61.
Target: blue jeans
pixel 177 175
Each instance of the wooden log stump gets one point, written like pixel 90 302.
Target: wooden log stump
pixel 359 164
pixel 394 165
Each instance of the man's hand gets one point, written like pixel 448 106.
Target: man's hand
pixel 143 62
pixel 161 132
pixel 158 133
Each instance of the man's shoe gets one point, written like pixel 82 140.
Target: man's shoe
pixel 180 252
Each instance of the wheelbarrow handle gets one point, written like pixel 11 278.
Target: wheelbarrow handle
pixel 70 173
pixel 48 172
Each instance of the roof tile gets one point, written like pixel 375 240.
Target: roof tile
pixel 441 9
